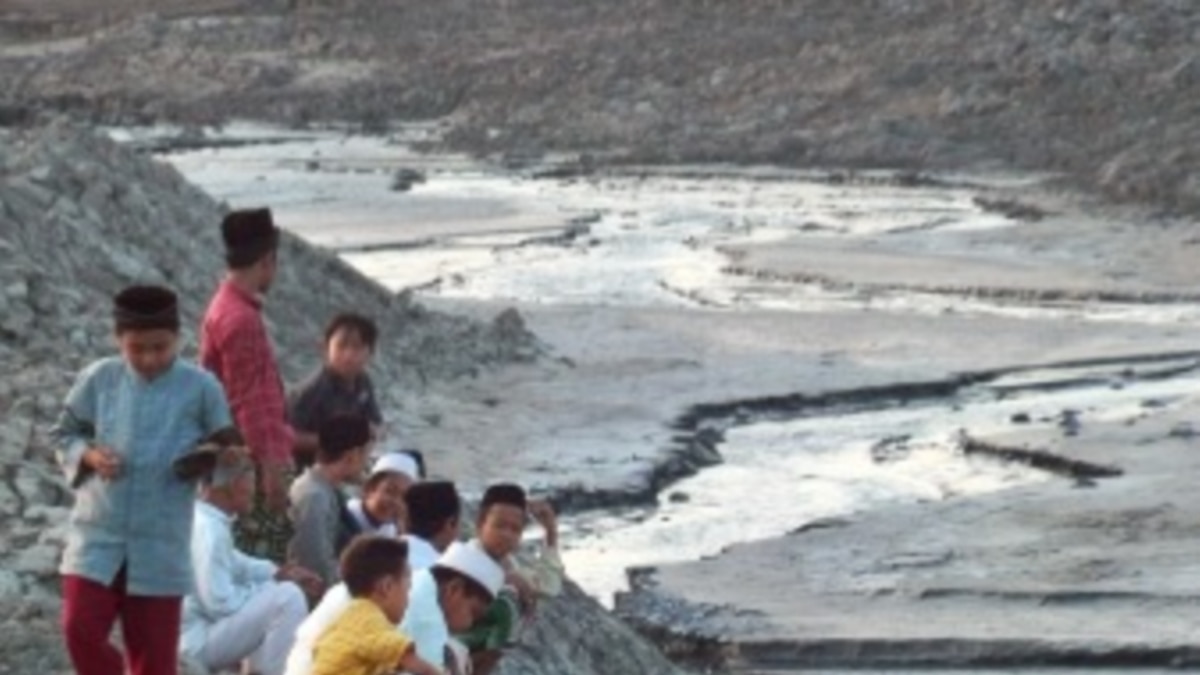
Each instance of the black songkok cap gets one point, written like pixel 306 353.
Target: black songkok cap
pixel 249 235
pixel 340 434
pixel 431 502
pixel 503 493
pixel 146 308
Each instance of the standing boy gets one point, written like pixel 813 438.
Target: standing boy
pixel 323 525
pixel 234 346
pixel 125 422
pixel 340 386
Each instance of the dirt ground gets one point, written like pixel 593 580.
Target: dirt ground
pixel 1097 89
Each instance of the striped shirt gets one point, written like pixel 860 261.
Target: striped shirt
pixel 142 519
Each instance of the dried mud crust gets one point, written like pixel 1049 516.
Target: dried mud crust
pixel 1096 88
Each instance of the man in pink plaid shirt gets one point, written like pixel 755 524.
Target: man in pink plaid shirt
pixel 235 347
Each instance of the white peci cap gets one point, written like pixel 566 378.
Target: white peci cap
pixel 472 561
pixel 397 462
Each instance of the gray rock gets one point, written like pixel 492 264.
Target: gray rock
pixel 10 584
pixel 87 217
pixel 1183 430
pixel 17 289
pixel 403 180
pixel 39 561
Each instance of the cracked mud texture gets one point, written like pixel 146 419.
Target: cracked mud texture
pixel 1098 89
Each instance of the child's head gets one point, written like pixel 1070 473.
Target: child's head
pixel 391 477
pixel 146 323
pixel 433 512
pixel 376 568
pixel 468 580
pixel 349 343
pixel 344 441
pixel 501 519
pixel 230 485
pixel 252 246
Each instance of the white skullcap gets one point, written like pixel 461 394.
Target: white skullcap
pixel 397 462
pixel 472 561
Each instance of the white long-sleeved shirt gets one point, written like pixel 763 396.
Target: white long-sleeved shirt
pixel 421 554
pixel 225 578
pixel 424 622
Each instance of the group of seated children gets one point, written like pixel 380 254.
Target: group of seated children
pixel 161 476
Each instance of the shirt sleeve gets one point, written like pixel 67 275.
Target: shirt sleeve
pixel 251 570
pixel 255 391
pixel 545 571
pixel 313 545
pixel 75 429
pixel 215 564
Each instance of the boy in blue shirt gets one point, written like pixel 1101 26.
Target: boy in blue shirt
pixel 125 423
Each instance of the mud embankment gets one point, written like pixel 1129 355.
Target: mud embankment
pixel 701 428
pixel 1091 572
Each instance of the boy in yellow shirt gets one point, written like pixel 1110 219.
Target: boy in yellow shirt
pixel 364 639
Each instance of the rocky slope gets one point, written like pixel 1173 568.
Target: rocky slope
pixel 79 218
pixel 1100 89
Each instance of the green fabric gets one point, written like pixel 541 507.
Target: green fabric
pixel 264 533
pixel 497 628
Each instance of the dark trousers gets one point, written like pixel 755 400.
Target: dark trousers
pixel 150 626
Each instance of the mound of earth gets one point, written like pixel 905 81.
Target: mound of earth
pixel 81 217
pixel 1098 89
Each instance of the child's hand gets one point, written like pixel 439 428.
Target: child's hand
pixel 308 581
pixel 543 513
pixel 102 460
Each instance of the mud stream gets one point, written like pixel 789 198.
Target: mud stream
pixel 672 238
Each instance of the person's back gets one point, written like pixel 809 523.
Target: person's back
pixel 363 640
pixel 235 347
pixel 321 522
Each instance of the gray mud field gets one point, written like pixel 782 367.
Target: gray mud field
pixel 854 335
pixel 742 359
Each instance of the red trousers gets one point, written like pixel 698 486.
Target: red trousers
pixel 149 625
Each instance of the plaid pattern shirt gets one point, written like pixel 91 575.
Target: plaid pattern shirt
pixel 234 346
